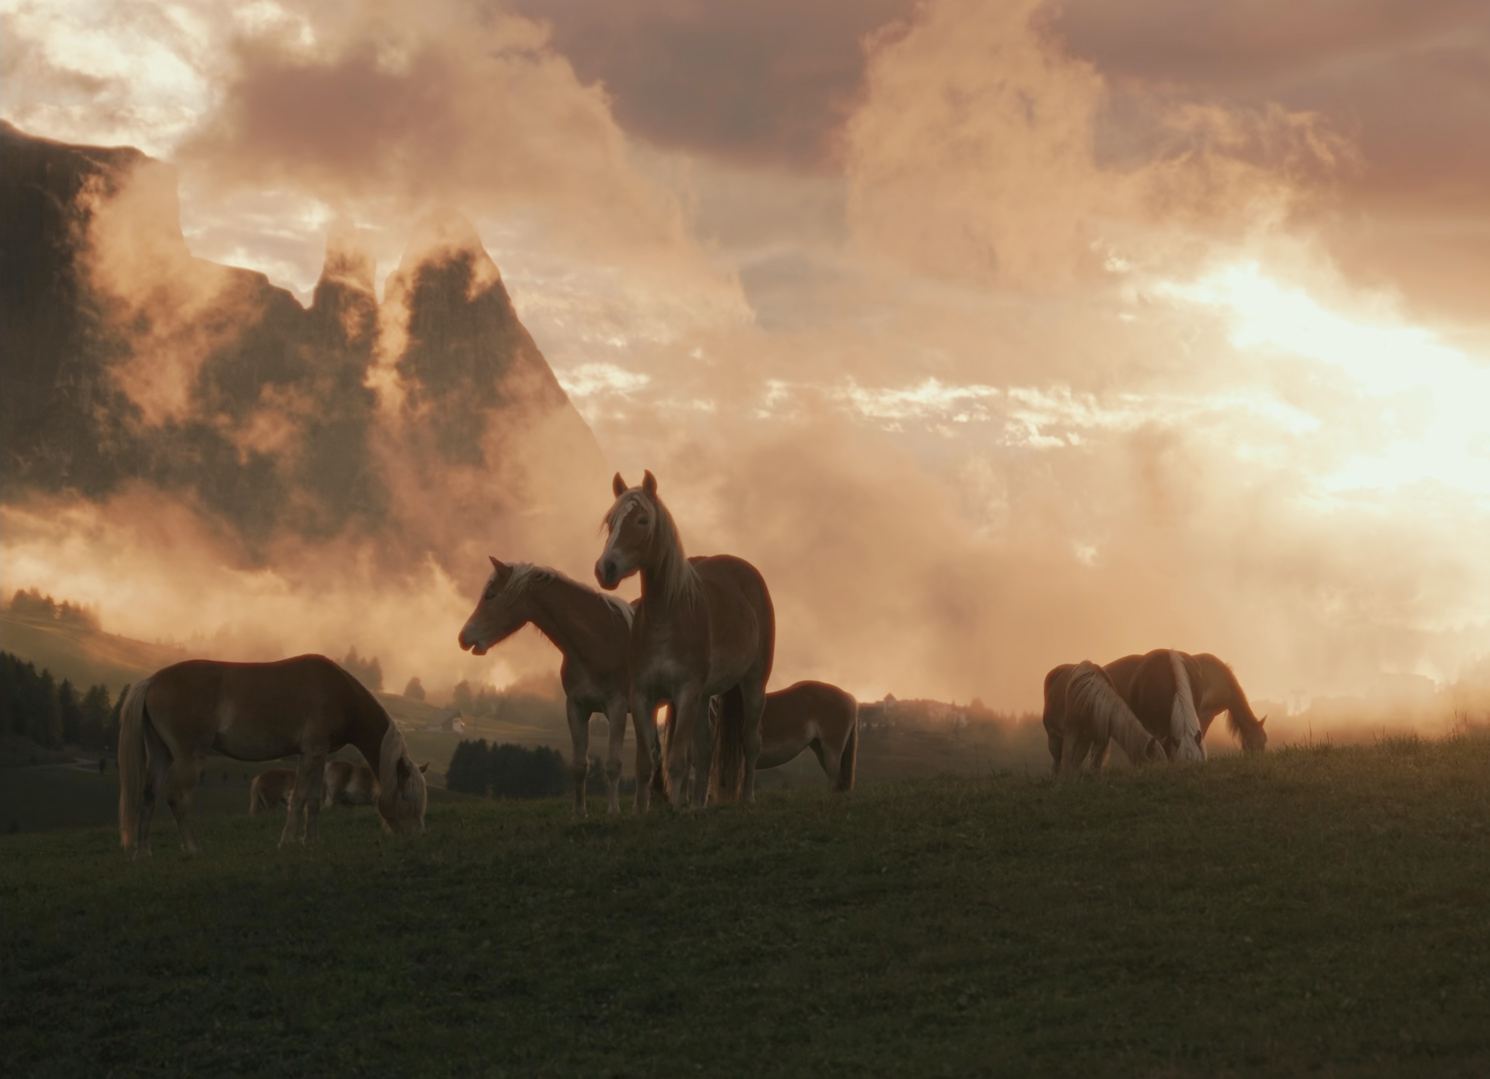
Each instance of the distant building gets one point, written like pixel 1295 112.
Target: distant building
pixel 448 721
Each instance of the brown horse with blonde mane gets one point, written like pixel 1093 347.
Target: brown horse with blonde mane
pixel 592 631
pixel 1150 692
pixel 1213 689
pixel 256 712
pixel 703 627
pixel 1089 716
pixel 804 715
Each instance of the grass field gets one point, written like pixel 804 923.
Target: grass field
pixel 1320 911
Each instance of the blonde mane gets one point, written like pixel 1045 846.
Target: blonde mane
pixel 525 575
pixel 677 580
pixel 1090 693
pixel 1184 724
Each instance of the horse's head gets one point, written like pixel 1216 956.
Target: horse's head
pixel 1185 747
pixel 1254 738
pixel 402 807
pixel 633 524
pixel 501 610
pixel 402 795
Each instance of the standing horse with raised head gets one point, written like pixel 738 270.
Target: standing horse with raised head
pixel 256 712
pixel 1091 717
pixel 592 631
pixel 704 627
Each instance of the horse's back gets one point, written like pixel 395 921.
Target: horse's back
pixel 737 596
pixel 255 711
pixel 800 703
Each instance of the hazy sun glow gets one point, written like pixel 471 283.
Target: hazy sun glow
pixel 1433 399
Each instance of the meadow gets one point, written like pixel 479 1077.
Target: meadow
pixel 1314 910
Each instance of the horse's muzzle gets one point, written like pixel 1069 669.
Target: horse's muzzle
pixel 470 644
pixel 605 574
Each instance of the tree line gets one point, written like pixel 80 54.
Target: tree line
pixel 34 705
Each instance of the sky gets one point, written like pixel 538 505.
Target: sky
pixel 998 335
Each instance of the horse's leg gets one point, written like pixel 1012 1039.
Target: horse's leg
pixel 703 753
pixel 305 776
pixel 648 756
pixel 615 715
pixel 579 760
pixel 185 771
pixel 680 739
pixel 753 696
pixel 313 798
pixel 828 760
pixel 157 781
pixel 1101 749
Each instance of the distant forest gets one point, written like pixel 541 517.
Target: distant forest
pixel 35 705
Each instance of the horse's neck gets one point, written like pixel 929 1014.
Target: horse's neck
pixel 576 620
pixel 1222 692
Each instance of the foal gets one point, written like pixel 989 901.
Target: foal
pixel 591 630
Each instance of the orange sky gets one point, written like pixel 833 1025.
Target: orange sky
pixel 998 334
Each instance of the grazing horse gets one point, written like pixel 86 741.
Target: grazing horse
pixel 593 632
pixel 1092 716
pixel 1214 690
pixel 704 627
pixel 271 789
pixel 1162 688
pixel 1221 692
pixel 255 712
pixel 804 715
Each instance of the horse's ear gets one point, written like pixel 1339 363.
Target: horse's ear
pixel 649 483
pixel 618 485
pixel 423 766
pixel 1261 721
pixel 494 563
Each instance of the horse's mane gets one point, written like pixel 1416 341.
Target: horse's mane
pixel 1090 693
pixel 1239 714
pixel 525 575
pixel 1184 723
pixel 677 579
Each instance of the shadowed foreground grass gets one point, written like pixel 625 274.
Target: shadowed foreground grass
pixel 1314 910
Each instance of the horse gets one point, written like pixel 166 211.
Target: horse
pixel 1221 692
pixel 805 715
pixel 1162 688
pixel 256 712
pixel 591 630
pixel 348 784
pixel 1054 717
pixel 1093 715
pixel 704 627
pixel 271 789
pixel 1216 690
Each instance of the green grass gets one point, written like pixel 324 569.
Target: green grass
pixel 1320 910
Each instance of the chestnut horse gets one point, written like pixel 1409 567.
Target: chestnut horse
pixel 1214 689
pixel 255 712
pixel 1092 715
pixel 591 630
pixel 703 627
pixel 1221 692
pixel 271 789
pixel 804 715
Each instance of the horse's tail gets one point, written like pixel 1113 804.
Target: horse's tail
pixel 132 722
pixel 729 746
pixel 1091 698
pixel 253 796
pixel 849 760
pixel 1184 723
